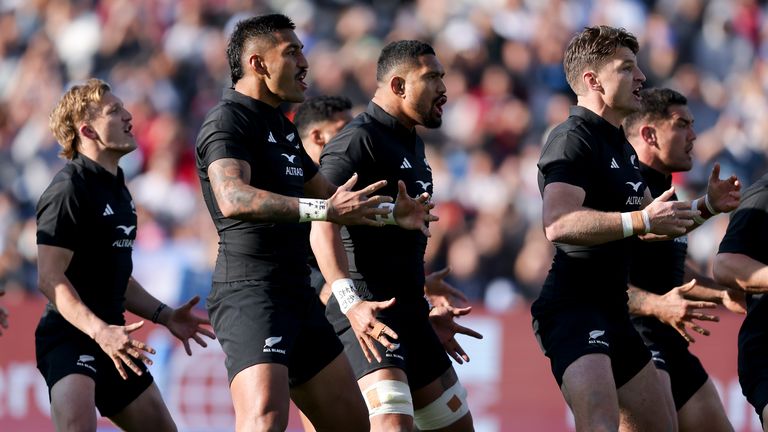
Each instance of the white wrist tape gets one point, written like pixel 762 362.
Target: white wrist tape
pixel 709 206
pixel 697 218
pixel 388 218
pixel 646 221
pixel 312 210
pixel 344 291
pixel 626 224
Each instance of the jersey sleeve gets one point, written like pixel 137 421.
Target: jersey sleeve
pixel 747 231
pixel 345 155
pixel 221 139
pixel 58 214
pixel 566 159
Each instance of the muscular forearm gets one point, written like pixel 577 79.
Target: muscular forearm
pixel 61 293
pixel 329 251
pixel 144 304
pixel 741 272
pixel 585 227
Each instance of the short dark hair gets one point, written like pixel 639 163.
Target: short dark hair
pixel 319 109
pixel 262 26
pixel 398 53
pixel 654 106
pixel 591 49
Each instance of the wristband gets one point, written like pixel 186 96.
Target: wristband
pixel 626 224
pixel 156 314
pixel 697 218
pixel 344 291
pixel 389 218
pixel 646 221
pixel 709 206
pixel 312 210
pixel 638 225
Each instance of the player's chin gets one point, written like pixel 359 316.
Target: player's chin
pixel 432 122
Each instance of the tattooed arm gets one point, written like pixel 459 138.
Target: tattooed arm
pixel 237 199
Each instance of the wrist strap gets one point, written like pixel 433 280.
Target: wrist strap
pixel 626 224
pixel 695 207
pixel 709 206
pixel 312 210
pixel 156 313
pixel 646 221
pixel 389 218
pixel 345 293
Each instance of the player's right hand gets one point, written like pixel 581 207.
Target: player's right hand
pixel 347 207
pixel 122 349
pixel 671 218
pixel 370 330
pixel 675 310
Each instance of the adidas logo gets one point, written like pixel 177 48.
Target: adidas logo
pixel 613 163
pixel 271 138
pixel 406 164
pixel 108 211
pixel 290 136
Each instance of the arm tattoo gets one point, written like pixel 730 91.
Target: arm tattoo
pixel 229 181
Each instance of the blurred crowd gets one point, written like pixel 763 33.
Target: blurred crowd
pixel 506 88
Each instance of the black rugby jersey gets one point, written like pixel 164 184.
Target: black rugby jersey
pixel 89 211
pixel 588 152
pixel 747 234
pixel 244 128
pixel 657 266
pixel 377 147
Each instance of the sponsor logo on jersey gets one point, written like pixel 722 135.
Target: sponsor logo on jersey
pixel 406 164
pixel 108 211
pixel 289 157
pixel 126 229
pixel 614 164
pixel 123 243
pixel 424 185
pixel 594 337
pixel 271 138
pixel 294 171
pixel 83 361
pixel 635 186
pixel 290 136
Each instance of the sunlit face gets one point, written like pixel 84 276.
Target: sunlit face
pixel 621 80
pixel 674 138
pixel 112 124
pixel 425 92
pixel 286 68
pixel 329 128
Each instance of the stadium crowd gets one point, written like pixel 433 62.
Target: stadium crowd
pixel 506 89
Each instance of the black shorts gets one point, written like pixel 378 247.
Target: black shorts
pixel 567 333
pixel 419 352
pixel 669 352
pixel 753 352
pixel 268 322
pixel 75 354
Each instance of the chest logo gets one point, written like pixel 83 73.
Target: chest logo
pixel 424 185
pixel 108 211
pixel 406 164
pixel 271 138
pixel 290 136
pixel 126 229
pixel 289 157
pixel 632 161
pixel 635 186
pixel 614 165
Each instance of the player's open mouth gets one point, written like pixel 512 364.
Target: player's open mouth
pixel 636 92
pixel 439 104
pixel 300 78
pixel 128 129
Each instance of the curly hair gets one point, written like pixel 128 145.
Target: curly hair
pixel 75 106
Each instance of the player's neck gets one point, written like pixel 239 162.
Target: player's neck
pixel 393 108
pixel 107 159
pixel 599 107
pixel 258 90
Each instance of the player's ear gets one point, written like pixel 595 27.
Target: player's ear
pixel 87 131
pixel 648 134
pixel 256 62
pixel 316 137
pixel 591 81
pixel 397 85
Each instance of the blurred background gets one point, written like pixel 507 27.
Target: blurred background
pixel 506 89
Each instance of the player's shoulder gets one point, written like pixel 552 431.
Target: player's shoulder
pixel 69 182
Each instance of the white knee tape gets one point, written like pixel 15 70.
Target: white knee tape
pixel 388 397
pixel 445 410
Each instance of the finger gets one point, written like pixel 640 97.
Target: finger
pixel 685 334
pixel 383 304
pixel 703 317
pixel 187 348
pixel 200 341
pixel 457 312
pixel 133 327
pixel 191 303
pixel 128 362
pixel 460 351
pixel 703 305
pixel 349 184
pixel 370 344
pixel 402 191
pixel 142 346
pixel 119 367
pixel 684 288
pixel 139 356
pixel 378 329
pixel 700 330
pixel 205 331
pixel 715 174
pixel 364 349
pixel 424 199
pixel 442 273
pixel 373 187
pixel 666 195
pixel 425 231
pixel 467 331
pixel 431 218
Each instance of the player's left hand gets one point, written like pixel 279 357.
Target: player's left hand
pixel 735 301
pixel 413 213
pixel 442 319
pixel 441 293
pixel 723 195
pixel 185 325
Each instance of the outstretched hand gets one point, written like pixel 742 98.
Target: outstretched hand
pixel 370 330
pixel 185 325
pixel 675 310
pixel 442 319
pixel 413 213
pixel 347 207
pixel 723 195
pixel 116 341
pixel 441 293
pixel 672 218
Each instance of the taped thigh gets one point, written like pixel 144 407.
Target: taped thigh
pixel 388 397
pixel 445 410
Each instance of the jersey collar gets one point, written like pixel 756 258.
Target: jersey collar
pixel 388 120
pixel 91 166
pixel 610 131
